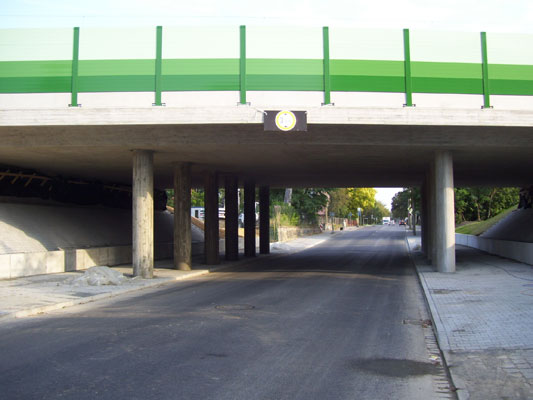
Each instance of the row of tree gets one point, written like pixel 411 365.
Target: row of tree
pixel 304 205
pixel 471 203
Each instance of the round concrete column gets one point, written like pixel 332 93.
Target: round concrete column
pixel 211 233
pixel 232 218
pixel 143 213
pixel 264 219
pixel 444 212
pixel 182 216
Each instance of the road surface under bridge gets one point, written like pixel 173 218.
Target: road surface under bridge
pixel 341 320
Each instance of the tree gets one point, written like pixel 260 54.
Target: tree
pixel 308 202
pixel 339 200
pixel 364 198
pixel 377 212
pixel 481 203
pixel 401 201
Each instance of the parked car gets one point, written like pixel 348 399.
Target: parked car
pixel 241 219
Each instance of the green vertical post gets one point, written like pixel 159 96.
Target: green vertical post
pixel 407 66
pixel 485 70
pixel 158 65
pixel 242 65
pixel 75 67
pixel 327 80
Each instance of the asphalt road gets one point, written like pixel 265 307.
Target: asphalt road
pixel 325 323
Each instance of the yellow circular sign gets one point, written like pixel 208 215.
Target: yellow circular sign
pixel 285 120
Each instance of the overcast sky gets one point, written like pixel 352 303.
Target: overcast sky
pixel 456 15
pixel 462 15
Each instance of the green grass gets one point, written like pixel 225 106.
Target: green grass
pixel 477 228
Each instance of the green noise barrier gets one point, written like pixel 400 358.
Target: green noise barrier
pixel 244 74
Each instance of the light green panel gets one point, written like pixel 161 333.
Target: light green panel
pixel 36 44
pixel 440 46
pixel 201 67
pixel 445 70
pixel 43 69
pixel 284 67
pixel 200 42
pixel 509 48
pixel 366 44
pixel 516 72
pixel 284 42
pixel 117 44
pixel 367 67
pixel 116 67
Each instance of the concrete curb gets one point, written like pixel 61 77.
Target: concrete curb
pixel 52 307
pixel 442 339
pixel 148 284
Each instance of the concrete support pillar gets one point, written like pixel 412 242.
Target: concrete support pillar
pixel 211 233
pixel 444 213
pixel 431 213
pixel 424 217
pixel 249 218
pixel 182 217
pixel 232 218
pixel 264 220
pixel 143 214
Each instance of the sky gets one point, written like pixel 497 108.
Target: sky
pixel 448 15
pixel 457 15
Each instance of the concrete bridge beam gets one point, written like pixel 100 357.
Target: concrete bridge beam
pixel 182 217
pixel 232 218
pixel 444 212
pixel 143 213
pixel 211 227
pixel 249 218
pixel 264 219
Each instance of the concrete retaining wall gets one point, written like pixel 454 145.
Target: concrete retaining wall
pixel 286 233
pixel 519 251
pixel 48 262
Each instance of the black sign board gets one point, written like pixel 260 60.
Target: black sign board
pixel 286 121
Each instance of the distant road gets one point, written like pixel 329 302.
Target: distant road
pixel 325 323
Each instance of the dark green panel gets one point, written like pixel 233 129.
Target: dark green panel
pixel 132 83
pixel 200 82
pixel 285 82
pixel 352 83
pixel 508 87
pixel 31 84
pixel 447 85
pixel 35 68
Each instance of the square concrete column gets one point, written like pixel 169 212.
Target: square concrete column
pixel 424 217
pixel 211 233
pixel 264 220
pixel 444 213
pixel 249 218
pixel 143 214
pixel 232 218
pixel 182 217
pixel 431 213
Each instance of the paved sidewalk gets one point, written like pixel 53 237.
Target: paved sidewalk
pixel 483 315
pixel 26 296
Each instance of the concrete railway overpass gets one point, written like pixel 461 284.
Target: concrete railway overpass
pixel 178 120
